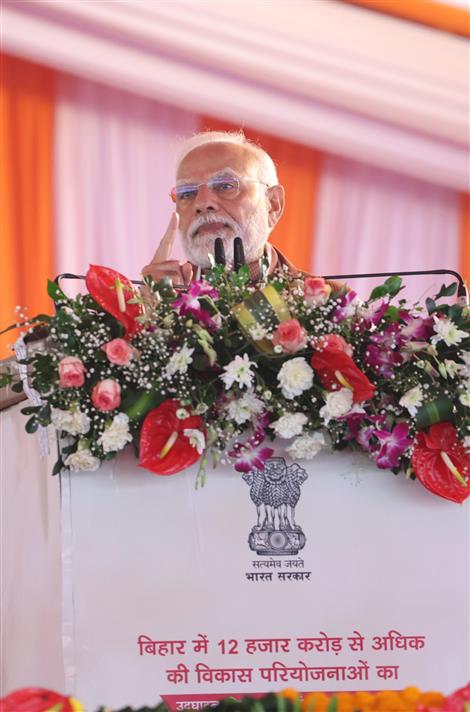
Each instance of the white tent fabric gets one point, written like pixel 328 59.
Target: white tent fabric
pixel 370 220
pixel 341 78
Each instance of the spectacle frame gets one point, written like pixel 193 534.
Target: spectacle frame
pixel 228 188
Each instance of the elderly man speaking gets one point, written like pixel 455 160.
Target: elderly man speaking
pixel 226 187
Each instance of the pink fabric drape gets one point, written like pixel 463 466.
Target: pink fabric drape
pixel 114 167
pixel 371 220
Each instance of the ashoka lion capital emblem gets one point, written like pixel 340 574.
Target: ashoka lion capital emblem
pixel 275 491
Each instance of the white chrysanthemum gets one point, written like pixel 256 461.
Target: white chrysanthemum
pixel 464 368
pixel 117 435
pixel 179 361
pixel 72 421
pixel 243 409
pixel 466 442
pixel 307 446
pixel 258 332
pixel 82 460
pixel 337 403
pixel 452 368
pixel 295 377
pixel 238 371
pixel 289 425
pixel 196 439
pixel 465 397
pixel 447 331
pixel 412 399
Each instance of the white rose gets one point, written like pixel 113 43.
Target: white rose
pixel 117 435
pixel 337 403
pixel 82 460
pixel 412 399
pixel 289 425
pixel 307 446
pixel 72 421
pixel 295 377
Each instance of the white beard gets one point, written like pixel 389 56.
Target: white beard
pixel 254 236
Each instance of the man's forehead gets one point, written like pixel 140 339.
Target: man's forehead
pixel 212 158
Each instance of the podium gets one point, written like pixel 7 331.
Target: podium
pixel 169 593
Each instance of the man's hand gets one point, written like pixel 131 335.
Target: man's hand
pixel 161 264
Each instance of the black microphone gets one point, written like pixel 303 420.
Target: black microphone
pixel 219 251
pixel 238 254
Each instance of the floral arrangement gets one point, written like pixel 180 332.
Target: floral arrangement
pixel 219 369
pixel 410 699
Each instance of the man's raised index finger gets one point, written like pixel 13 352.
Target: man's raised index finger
pixel 163 251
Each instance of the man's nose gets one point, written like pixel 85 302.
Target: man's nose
pixel 206 201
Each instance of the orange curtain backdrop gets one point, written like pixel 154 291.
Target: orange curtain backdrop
pixel 444 17
pixel 465 239
pixel 298 168
pixel 26 111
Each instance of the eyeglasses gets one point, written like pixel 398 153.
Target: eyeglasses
pixel 228 188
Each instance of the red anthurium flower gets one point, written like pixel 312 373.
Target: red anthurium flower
pixel 440 462
pixel 335 367
pixel 171 439
pixel 112 291
pixel 37 699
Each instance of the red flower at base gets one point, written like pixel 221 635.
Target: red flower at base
pixel 441 463
pixel 37 699
pixel 334 367
pixel 164 447
pixel 112 291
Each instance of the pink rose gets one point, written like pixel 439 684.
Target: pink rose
pixel 106 395
pixel 118 351
pixel 332 342
pixel 316 291
pixel 71 372
pixel 290 336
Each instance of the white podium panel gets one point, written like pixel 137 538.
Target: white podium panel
pixel 176 593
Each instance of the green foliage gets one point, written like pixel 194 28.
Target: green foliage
pixel 390 287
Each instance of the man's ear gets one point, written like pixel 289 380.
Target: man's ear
pixel 276 200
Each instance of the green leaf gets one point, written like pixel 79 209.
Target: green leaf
pixel 241 277
pixel 446 291
pixel 5 379
pixel 55 292
pixel 392 313
pixel 57 467
pixel 30 409
pixel 17 387
pixel 455 311
pixel 430 305
pixel 391 286
pixel 32 425
pixel 333 706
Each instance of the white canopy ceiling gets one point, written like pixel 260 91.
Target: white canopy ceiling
pixel 324 73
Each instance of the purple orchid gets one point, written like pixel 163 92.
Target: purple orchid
pixel 362 428
pixel 392 445
pixel 373 313
pixel 346 306
pixel 188 303
pixel 382 360
pixel 251 455
pixel 416 328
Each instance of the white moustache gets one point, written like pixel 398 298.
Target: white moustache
pixel 210 220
